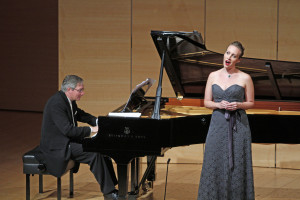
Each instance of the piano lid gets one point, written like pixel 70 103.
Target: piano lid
pixel 188 64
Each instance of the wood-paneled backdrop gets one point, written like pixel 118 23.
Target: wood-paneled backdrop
pixel 108 43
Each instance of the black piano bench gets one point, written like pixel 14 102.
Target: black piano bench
pixel 32 166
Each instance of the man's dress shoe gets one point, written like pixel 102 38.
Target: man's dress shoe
pixel 112 196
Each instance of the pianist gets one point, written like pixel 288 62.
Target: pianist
pixel 60 137
pixel 227 167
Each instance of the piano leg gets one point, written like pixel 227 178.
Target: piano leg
pixel 135 175
pixel 123 175
pixel 152 174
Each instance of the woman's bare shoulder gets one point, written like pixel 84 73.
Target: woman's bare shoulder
pixel 214 73
pixel 245 75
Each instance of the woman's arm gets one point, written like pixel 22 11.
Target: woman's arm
pixel 249 95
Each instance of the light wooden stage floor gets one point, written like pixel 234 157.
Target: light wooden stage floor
pixel 20 132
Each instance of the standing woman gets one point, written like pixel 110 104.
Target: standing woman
pixel 227 167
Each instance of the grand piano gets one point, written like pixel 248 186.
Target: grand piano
pixel 166 123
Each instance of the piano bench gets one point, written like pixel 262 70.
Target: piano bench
pixel 32 166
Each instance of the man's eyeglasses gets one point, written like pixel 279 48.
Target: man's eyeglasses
pixel 80 91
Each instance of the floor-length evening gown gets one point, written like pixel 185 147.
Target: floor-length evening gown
pixel 222 177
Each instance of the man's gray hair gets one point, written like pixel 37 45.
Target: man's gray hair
pixel 70 81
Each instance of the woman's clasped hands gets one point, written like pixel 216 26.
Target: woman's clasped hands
pixel 228 105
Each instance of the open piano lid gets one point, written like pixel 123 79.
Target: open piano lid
pixel 188 64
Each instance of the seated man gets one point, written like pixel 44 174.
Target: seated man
pixel 60 138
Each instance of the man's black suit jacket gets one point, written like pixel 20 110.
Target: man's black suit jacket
pixel 58 131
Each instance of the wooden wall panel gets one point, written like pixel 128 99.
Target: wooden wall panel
pixel 289 30
pixel 166 15
pixel 28 53
pixel 94 40
pixel 288 156
pixel 254 23
pixel 263 155
pixel 288 49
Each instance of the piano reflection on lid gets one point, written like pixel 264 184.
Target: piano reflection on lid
pixel 184 120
